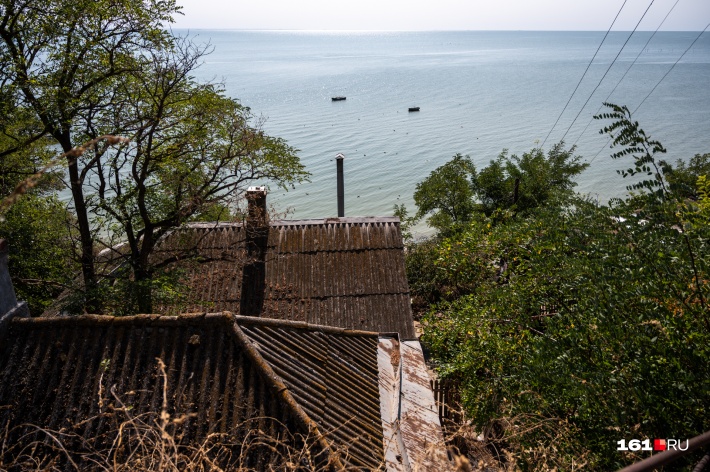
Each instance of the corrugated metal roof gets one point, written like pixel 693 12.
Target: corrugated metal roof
pixel 52 369
pixel 346 272
pixel 334 377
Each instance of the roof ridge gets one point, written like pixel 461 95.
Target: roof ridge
pixel 283 391
pixel 279 323
pixel 336 220
pixel 298 222
pixel 196 319
pixel 185 318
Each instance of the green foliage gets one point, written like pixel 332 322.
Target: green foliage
pixel 636 143
pixel 594 323
pixel 447 194
pixel 60 62
pixel 540 180
pixel 455 194
pixel 41 250
pixel 193 153
pixel 76 70
pixel 703 185
pixel 682 178
pixel 576 326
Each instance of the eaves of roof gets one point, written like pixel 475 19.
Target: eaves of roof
pixel 364 396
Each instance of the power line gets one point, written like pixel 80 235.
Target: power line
pixel 627 70
pixel 607 70
pixel 658 83
pixel 585 72
pixel 674 64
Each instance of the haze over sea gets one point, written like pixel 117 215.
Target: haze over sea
pixel 479 92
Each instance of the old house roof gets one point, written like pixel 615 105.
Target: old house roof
pixel 342 272
pixel 360 396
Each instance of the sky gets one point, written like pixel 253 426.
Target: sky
pixel 414 15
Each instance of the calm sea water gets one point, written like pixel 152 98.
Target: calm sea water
pixel 479 93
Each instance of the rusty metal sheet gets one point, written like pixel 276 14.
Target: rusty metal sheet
pixel 389 381
pixel 419 419
pixel 53 369
pixel 333 375
pixel 346 272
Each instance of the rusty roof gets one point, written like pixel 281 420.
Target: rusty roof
pixel 334 377
pixel 343 272
pixel 222 371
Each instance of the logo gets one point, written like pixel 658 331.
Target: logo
pixel 658 445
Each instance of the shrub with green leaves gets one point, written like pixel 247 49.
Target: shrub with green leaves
pixel 572 328
pixel 41 249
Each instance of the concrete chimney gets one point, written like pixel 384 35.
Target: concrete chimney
pixel 341 186
pixel 256 238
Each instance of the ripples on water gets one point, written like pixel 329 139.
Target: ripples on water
pixel 479 92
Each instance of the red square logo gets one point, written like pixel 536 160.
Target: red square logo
pixel 659 444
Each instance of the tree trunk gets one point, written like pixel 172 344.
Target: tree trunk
pixel 143 275
pixel 92 302
pixel 143 290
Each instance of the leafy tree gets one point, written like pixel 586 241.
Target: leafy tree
pixel 682 178
pixel 530 181
pixel 41 249
pixel 79 69
pixel 455 193
pixel 704 195
pixel 572 327
pixel 59 60
pixel 193 151
pixel 447 194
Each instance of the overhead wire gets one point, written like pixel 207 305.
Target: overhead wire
pixel 608 69
pixel 627 71
pixel 658 83
pixel 584 74
pixel 672 67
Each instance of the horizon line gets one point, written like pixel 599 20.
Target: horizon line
pixel 311 30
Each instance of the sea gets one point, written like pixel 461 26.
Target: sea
pixel 479 93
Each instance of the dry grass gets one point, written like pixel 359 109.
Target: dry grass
pixel 515 443
pixel 154 442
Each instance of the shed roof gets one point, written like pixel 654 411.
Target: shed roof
pixel 83 378
pixel 224 373
pixel 343 272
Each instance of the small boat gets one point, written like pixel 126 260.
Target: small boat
pixel 338 99
pixel 413 108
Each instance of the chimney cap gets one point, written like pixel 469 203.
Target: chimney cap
pixel 257 188
pixel 340 155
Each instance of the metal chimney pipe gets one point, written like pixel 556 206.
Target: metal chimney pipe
pixel 341 186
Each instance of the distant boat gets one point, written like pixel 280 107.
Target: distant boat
pixel 338 99
pixel 413 108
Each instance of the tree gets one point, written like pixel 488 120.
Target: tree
pixel 528 182
pixel 455 193
pixel 575 326
pixel 682 177
pixel 58 60
pixel 192 150
pixel 82 68
pixel 447 194
pixel 41 251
